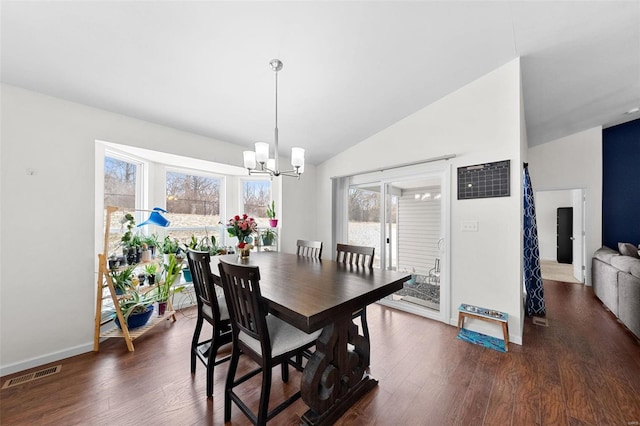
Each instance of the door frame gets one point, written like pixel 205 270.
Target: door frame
pixel 579 197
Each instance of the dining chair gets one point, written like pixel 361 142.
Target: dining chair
pixel 355 255
pixel 263 337
pixel 309 248
pixel 358 256
pixel 212 309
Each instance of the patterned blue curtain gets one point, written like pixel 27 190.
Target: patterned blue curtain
pixel 532 276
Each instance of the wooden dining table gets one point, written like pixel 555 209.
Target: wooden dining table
pixel 313 294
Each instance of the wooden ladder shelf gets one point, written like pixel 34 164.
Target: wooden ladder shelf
pixel 105 281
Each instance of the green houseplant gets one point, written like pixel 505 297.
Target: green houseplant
pixel 271 214
pixel 268 236
pixel 169 246
pixel 152 243
pixel 167 287
pixel 209 244
pixel 151 270
pixel 122 279
pixel 136 309
pixel 130 222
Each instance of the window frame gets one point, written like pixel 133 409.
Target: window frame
pixel 140 195
pixel 202 173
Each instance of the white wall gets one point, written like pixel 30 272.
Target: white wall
pixel 299 217
pixel 574 162
pixel 547 203
pixel 47 297
pixel 479 123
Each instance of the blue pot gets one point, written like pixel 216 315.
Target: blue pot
pixel 137 320
pixel 186 273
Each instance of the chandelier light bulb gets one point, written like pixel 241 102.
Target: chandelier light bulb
pixel 262 152
pixel 297 157
pixel 249 159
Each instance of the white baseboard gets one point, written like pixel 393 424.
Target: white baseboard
pixel 45 359
pixel 182 300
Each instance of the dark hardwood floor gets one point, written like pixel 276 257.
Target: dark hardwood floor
pixel 583 369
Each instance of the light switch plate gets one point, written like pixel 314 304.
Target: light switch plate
pixel 469 226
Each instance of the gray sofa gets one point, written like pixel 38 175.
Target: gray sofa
pixel 616 282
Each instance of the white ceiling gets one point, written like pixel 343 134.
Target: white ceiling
pixel 351 69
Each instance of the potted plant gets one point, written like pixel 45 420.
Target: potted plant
pixel 268 236
pixel 166 287
pixel 271 214
pixel 127 238
pixel 169 246
pixel 136 309
pixel 151 270
pixel 209 244
pixel 152 243
pixel 135 248
pixel 146 253
pixel 130 223
pixel 122 279
pixel 114 262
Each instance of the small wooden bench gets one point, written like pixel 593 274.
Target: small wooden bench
pixel 485 314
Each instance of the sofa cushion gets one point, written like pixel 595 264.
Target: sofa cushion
pixel 624 263
pixel 605 254
pixel 628 249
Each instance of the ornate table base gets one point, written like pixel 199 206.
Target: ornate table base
pixel 335 377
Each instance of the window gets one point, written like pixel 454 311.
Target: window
pixel 256 197
pixel 193 202
pixel 121 189
pixel 120 178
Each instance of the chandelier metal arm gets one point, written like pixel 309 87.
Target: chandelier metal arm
pixel 267 171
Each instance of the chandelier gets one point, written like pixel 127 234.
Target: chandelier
pixel 258 161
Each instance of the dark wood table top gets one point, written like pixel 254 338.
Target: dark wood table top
pixel 310 293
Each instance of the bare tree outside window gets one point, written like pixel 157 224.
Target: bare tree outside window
pixel 256 197
pixel 119 191
pixel 193 203
pixel 119 183
pixel 364 206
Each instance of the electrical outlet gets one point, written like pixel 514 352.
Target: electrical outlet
pixel 469 226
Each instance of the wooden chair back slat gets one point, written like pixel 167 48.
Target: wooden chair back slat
pixel 309 248
pixel 355 255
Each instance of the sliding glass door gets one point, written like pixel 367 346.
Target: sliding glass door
pixel 402 217
pixel 417 240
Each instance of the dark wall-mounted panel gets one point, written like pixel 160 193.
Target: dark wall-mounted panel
pixel 484 180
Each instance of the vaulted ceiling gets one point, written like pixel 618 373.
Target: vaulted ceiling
pixel 351 69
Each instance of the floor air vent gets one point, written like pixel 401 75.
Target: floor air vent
pixel 540 321
pixel 32 376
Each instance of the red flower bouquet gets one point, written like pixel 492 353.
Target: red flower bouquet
pixel 241 227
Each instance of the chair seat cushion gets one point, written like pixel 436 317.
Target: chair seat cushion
pixel 224 311
pixel 284 337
